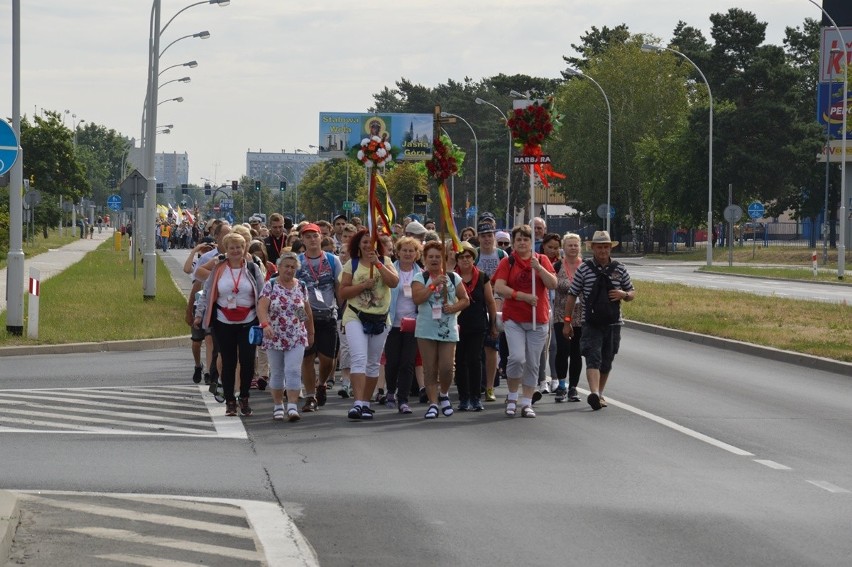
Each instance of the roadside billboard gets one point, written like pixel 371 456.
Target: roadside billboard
pixel 830 110
pixel 409 134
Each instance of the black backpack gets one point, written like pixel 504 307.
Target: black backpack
pixel 600 310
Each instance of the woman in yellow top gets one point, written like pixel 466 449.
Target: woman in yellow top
pixel 366 283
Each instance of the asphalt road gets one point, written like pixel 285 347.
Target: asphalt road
pixel 678 272
pixel 703 457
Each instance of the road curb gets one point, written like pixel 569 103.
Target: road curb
pixel 104 346
pixel 790 357
pixel 10 516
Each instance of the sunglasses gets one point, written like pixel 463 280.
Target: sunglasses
pixel 502 244
pixel 464 257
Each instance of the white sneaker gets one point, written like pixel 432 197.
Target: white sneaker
pixel 545 387
pixel 554 384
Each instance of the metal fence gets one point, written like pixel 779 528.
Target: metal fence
pixel 805 234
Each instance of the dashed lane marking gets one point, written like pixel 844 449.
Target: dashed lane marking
pixel 773 465
pixel 829 487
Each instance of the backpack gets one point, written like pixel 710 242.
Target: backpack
pixel 329 257
pixel 600 310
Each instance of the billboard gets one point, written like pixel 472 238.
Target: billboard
pixel 830 110
pixel 833 62
pixel 409 134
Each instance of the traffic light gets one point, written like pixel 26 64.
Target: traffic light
pixel 159 187
pixel 208 190
pixel 184 190
pixel 257 185
pixel 283 186
pixel 235 185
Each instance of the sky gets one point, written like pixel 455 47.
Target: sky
pixel 271 66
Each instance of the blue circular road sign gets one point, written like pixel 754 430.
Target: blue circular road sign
pixel 8 147
pixel 114 202
pixel 756 210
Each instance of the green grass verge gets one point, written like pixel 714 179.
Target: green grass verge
pixel 41 244
pixel 809 327
pixel 793 256
pixel 97 299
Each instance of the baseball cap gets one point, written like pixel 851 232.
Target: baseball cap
pixel 487 215
pixel 484 227
pixel 344 217
pixel 310 227
pixel 416 228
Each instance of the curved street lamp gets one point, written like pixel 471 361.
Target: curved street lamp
pixel 841 244
pixel 181 80
pixel 577 73
pixel 476 163
pixel 509 169
pixel 191 64
pixel 150 145
pixel 176 99
pixel 647 48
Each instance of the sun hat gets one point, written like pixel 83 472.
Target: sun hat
pixel 415 228
pixel 602 237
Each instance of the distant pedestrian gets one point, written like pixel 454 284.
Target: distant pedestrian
pixel 601 335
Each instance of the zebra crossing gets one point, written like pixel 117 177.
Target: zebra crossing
pixel 124 529
pixel 171 410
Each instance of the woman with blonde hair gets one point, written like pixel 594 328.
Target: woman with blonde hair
pixel 229 310
pixel 569 359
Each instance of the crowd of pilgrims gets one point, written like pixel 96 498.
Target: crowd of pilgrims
pixel 403 318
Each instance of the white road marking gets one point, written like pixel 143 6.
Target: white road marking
pixel 61 419
pixel 41 400
pixel 183 545
pixel 829 487
pixel 773 465
pixel 226 427
pixel 282 543
pixel 145 561
pixel 146 417
pixel 159 519
pixel 677 427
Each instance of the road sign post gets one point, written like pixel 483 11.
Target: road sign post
pixel 11 156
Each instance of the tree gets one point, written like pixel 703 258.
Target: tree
pixel 594 43
pixel 52 164
pixel 633 82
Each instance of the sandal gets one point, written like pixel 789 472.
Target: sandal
pixel 510 408
pixel 602 401
pixel 293 415
pixel 432 412
pixel 446 406
pixel 527 411
pixel 278 414
pixel 404 408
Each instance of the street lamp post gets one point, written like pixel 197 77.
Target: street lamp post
pixel 149 139
pixel 834 52
pixel 476 162
pixel 578 73
pixel 509 168
pixel 647 48
pixel 841 244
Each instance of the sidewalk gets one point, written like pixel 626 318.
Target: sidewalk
pixel 56 260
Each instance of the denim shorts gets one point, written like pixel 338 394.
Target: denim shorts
pixel 599 346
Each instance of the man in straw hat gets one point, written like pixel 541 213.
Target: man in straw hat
pixel 602 320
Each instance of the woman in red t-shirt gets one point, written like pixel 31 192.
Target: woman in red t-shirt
pixel 513 280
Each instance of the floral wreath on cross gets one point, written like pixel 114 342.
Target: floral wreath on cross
pixel 374 151
pixel 443 164
pixel 531 127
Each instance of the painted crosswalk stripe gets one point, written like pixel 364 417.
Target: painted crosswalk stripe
pixel 124 535
pixel 42 401
pixel 136 516
pixel 62 419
